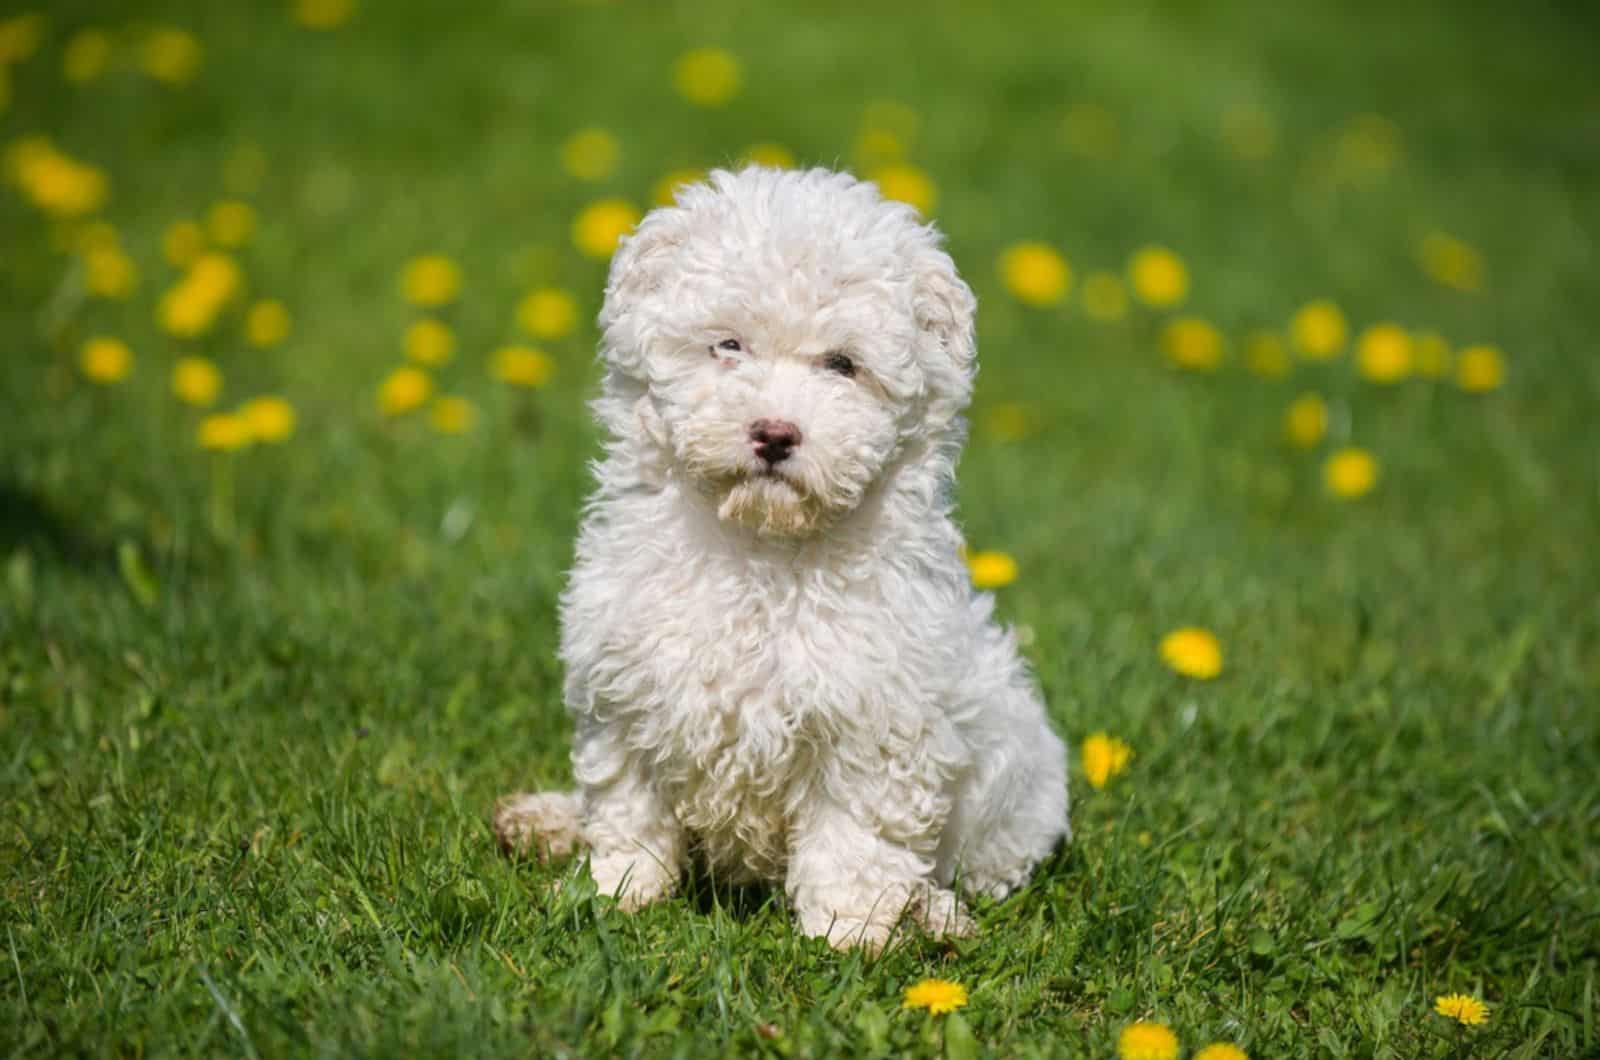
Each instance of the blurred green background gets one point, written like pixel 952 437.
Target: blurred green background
pixel 298 304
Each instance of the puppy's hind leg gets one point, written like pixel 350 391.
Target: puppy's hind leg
pixel 545 824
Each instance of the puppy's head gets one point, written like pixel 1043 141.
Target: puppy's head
pixel 781 339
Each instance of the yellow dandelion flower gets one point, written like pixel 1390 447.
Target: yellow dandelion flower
pixel 1383 353
pixel 773 156
pixel 1450 261
pixel 244 169
pixel 907 184
pixel 24 153
pixel 1193 652
pixel 938 996
pixel 87 55
pixel 109 272
pixel 1305 422
pixel 591 154
pixel 171 55
pixel 216 275
pixel 430 280
pixel 665 192
pixel 182 243
pixel 105 360
pixel 1090 130
pixel 323 14
pixel 1318 330
pixel 707 77
pixel 224 432
pixel 231 223
pixel 1265 354
pixel 430 342
pixel 271 418
pixel 54 183
pixel 992 570
pixel 1432 354
pixel 196 381
pixel 522 366
pixel 1103 758
pixel 403 390
pixel 266 323
pixel 1035 273
pixel 1480 369
pixel 1350 473
pixel 452 415
pixel 1147 1041
pixel 1221 1051
pixel 1463 1008
pixel 1011 421
pixel 1192 343
pixel 20 36
pixel 1249 131
pixel 1104 297
pixel 548 313
pixel 1158 277
pixel 878 147
pixel 600 225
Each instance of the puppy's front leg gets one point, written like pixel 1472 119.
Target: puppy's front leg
pixel 635 841
pixel 850 884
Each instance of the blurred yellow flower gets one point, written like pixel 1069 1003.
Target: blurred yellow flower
pixel 1193 652
pixel 225 432
pixel 600 225
pixel 1090 130
pixel 171 55
pixel 1103 758
pixel 907 184
pixel 1104 297
pixel 182 243
pixel 109 272
pixel 707 77
pixel 1451 261
pixel 1480 369
pixel 191 306
pixel 1305 423
pixel 452 415
pixel 271 418
pixel 1369 144
pixel 430 280
pixel 20 36
pixel 105 360
pixel 773 156
pixel 86 56
pixel 429 341
pixel 522 366
pixel 54 182
pixel 1158 277
pixel 403 390
pixel 1147 1041
pixel 665 192
pixel 323 14
pixel 266 323
pixel 1011 421
pixel 1383 353
pixel 548 313
pixel 1249 131
pixel 878 147
pixel 1035 273
pixel 1318 330
pixel 196 381
pixel 1463 1008
pixel 1221 1051
pixel 1265 354
pixel 231 223
pixel 591 154
pixel 1432 354
pixel 992 570
pixel 1350 473
pixel 1192 343
pixel 938 996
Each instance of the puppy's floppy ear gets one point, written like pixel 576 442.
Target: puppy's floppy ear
pixel 638 271
pixel 946 313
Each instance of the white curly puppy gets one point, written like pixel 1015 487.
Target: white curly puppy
pixel 775 659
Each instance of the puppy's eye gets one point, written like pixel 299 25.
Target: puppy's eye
pixel 841 363
pixel 731 345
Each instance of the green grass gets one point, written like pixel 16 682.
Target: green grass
pixel 249 738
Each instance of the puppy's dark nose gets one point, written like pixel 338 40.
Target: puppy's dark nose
pixel 774 440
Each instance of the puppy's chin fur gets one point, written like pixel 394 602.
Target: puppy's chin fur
pixel 771 506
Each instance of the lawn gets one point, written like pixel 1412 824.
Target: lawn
pixel 277 613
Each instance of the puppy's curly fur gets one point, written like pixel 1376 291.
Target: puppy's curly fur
pixel 775 659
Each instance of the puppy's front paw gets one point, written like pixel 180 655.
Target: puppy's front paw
pixel 634 879
pixel 546 824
